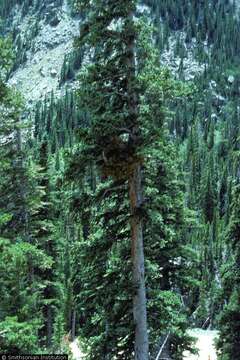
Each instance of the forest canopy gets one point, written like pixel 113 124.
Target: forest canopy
pixel 119 187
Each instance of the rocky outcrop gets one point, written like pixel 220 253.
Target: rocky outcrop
pixel 39 74
pixel 188 67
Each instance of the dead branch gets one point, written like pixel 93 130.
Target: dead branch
pixel 163 346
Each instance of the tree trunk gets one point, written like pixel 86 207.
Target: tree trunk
pixel 25 216
pixel 49 326
pixel 141 347
pixel 139 300
pixel 73 327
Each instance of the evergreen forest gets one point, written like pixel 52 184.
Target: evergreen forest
pixel 120 178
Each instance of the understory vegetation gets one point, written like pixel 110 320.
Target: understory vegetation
pixel 119 200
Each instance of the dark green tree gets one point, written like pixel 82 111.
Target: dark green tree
pixel 229 323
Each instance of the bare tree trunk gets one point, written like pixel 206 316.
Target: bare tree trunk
pixel 141 347
pixel 20 164
pixel 73 327
pixel 139 300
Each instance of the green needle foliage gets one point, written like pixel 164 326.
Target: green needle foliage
pixel 105 295
pixel 228 343
pixel 66 167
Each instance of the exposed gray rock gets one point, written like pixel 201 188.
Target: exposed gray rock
pixel 212 84
pixel 53 73
pixel 38 75
pixel 218 100
pixel 190 66
pixel 231 79
pixel 41 71
pixel 53 18
pixel 214 116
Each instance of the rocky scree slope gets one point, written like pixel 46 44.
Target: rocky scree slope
pixel 44 36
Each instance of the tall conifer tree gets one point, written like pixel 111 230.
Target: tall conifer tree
pixel 109 89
